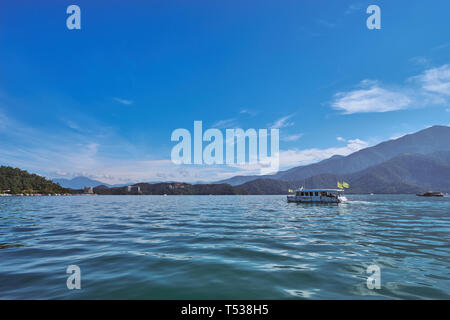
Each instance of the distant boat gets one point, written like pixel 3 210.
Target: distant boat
pixel 316 196
pixel 430 194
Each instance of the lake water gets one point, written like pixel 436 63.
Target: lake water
pixel 224 247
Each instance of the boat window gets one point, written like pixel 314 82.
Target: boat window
pixel 302 194
pixel 311 194
pixel 317 194
pixel 323 193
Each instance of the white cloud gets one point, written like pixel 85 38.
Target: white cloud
pixel 421 61
pixel 326 23
pixel 166 170
pixel 294 157
pixel 436 80
pixel 123 101
pixel 441 46
pixel 3 121
pixel 282 123
pixel 293 137
pixel 70 155
pixel 227 123
pixel 353 8
pixel 398 135
pixel 370 97
pixel 249 112
pixel 432 87
pixel 340 139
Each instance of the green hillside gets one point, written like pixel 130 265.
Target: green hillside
pixel 172 189
pixel 20 181
pixel 406 173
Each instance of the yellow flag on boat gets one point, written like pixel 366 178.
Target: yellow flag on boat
pixel 343 185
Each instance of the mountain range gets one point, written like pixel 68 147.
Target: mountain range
pixel 406 173
pixel 170 188
pixel 413 163
pixel 81 182
pixel 432 139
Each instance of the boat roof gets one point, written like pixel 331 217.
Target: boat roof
pixel 318 190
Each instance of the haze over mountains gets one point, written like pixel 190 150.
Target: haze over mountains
pixel 406 173
pixel 81 182
pixel 433 139
pixel 413 163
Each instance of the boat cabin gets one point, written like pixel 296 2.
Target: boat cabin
pixel 316 195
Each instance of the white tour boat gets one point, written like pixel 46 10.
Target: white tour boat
pixel 302 195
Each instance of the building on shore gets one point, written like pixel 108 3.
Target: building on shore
pixel 88 190
pixel 134 189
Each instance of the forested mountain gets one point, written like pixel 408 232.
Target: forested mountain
pixel 20 181
pixel 433 139
pixel 172 189
pixel 407 173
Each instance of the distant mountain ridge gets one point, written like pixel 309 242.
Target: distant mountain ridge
pixel 171 188
pixel 406 173
pixel 433 139
pixel 414 163
pixel 80 182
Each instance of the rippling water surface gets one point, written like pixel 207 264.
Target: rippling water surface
pixel 221 247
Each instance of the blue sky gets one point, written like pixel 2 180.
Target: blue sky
pixel 103 101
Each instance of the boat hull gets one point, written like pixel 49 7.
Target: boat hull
pixel 430 194
pixel 318 199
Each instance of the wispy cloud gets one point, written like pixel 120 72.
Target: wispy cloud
pixel 63 149
pixel 123 101
pixel 436 80
pixel 72 154
pixel 370 97
pixel 282 123
pixel 226 123
pixel 432 87
pixel 326 23
pixel 293 137
pixel 246 111
pixel 295 157
pixel 399 135
pixel 421 61
pixel 353 8
pixel 441 46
